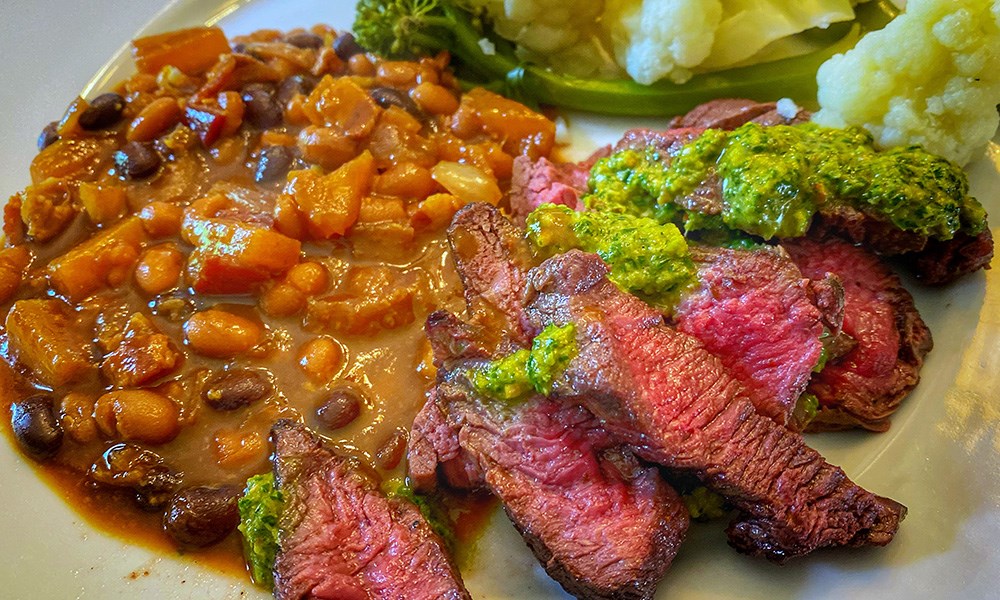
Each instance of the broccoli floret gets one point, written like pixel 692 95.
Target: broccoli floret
pixel 260 508
pixel 704 505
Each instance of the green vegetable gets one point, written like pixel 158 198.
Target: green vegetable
pixel 406 28
pixel 704 504
pixel 774 179
pixel 645 257
pixel 519 373
pixel 260 508
pixel 805 409
pixel 434 513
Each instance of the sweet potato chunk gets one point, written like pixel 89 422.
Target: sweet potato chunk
pixel 143 355
pixel 342 103
pixel 102 261
pixel 13 261
pixel 372 298
pixel 47 208
pixel 72 159
pixel 524 130
pixel 192 50
pixel 46 339
pixel 331 203
pixel 231 257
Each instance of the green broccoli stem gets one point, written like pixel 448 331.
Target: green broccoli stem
pixel 502 72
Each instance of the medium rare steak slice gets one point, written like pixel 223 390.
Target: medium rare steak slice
pixel 757 313
pixel 865 386
pixel 730 113
pixel 674 403
pixel 600 524
pixel 545 182
pixel 342 539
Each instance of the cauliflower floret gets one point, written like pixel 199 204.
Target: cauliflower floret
pixel 931 77
pixel 654 39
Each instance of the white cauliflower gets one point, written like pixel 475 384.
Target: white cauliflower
pixel 931 77
pixel 654 39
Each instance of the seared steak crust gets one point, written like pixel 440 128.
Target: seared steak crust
pixel 342 539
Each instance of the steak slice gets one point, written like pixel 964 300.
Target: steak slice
pixel 340 538
pixel 730 113
pixel 866 385
pixel 599 523
pixel 661 392
pixel 758 314
pixel 545 182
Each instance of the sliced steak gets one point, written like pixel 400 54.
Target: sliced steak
pixel 600 524
pixel 865 385
pixel 545 182
pixel 730 113
pixel 758 314
pixel 674 403
pixel 342 539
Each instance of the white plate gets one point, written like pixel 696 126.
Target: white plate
pixel 941 458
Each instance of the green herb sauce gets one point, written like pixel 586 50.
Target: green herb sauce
pixel 774 179
pixel 260 508
pixel 524 371
pixel 645 257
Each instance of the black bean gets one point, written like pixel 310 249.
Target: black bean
pixel 340 407
pixel 104 111
pixel 49 135
pixel 387 96
pixel 262 108
pixel 235 389
pixel 201 516
pixel 296 84
pixel 273 164
pixel 304 39
pixel 346 46
pixel 36 427
pixel 137 160
pixel 239 48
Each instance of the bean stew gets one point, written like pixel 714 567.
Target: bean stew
pixel 244 230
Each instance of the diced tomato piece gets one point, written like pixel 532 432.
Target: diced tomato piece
pixel 208 122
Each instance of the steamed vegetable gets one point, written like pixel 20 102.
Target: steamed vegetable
pixel 260 508
pixel 932 78
pixel 403 28
pixel 523 371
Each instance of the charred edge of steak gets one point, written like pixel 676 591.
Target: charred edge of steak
pixel 357 543
pixel 730 113
pixel 673 402
pixel 944 262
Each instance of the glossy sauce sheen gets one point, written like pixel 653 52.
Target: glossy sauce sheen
pixel 204 143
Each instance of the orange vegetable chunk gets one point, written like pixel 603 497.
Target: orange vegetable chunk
pixel 104 260
pixel 343 103
pixel 524 130
pixel 192 50
pixel 46 339
pixel 331 203
pixel 232 257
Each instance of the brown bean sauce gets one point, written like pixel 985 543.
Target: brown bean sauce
pixel 150 263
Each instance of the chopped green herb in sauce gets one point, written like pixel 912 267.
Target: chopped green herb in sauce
pixel 644 257
pixel 433 512
pixel 774 180
pixel 260 508
pixel 524 371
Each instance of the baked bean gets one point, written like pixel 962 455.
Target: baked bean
pixel 220 334
pixel 308 277
pixel 397 73
pixel 137 415
pixel 161 219
pixel 155 119
pixel 282 300
pixel 346 46
pixel 434 99
pixel 340 407
pixel 406 180
pixel 361 65
pixel 273 164
pixel 201 516
pixel 387 96
pixel 137 160
pixel 76 411
pixel 35 427
pixel 321 359
pixel 262 108
pixel 104 111
pixel 391 452
pixel 304 39
pixel 235 389
pixel 49 135
pixel 159 269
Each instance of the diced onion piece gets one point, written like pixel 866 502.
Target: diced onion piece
pixel 468 182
